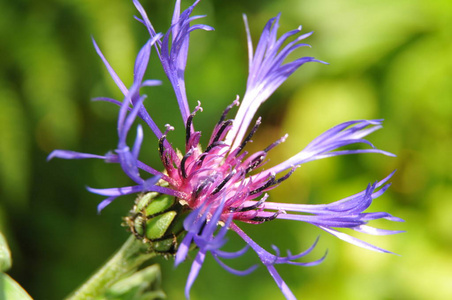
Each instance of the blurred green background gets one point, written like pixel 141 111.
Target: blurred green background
pixel 388 59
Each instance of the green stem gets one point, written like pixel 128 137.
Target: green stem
pixel 128 258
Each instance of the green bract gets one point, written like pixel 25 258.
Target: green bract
pixel 156 219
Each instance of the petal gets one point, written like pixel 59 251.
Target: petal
pixel 104 203
pixel 376 231
pixel 67 154
pixel 194 271
pixel 234 271
pixel 112 72
pixel 354 241
pixel 182 251
pixel 229 255
pixel 280 282
pixel 266 73
pixel 174 57
pixel 324 145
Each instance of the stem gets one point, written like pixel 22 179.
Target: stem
pixel 128 258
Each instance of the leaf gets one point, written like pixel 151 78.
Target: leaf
pixel 5 255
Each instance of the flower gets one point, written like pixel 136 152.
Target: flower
pixel 223 183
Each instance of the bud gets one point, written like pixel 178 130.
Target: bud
pixel 157 220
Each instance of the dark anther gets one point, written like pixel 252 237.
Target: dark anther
pixel 272 181
pixel 269 183
pixel 265 219
pixel 273 145
pixel 249 136
pixel 201 187
pixel 182 163
pixel 210 147
pixel 248 208
pixel 166 161
pixel 161 147
pixel 224 125
pixel 285 176
pixel 225 113
pixel 255 163
pixel 221 185
pixel 188 126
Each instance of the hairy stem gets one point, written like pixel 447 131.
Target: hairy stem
pixel 125 261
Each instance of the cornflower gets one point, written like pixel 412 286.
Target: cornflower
pixel 222 183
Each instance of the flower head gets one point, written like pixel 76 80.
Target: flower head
pixel 221 183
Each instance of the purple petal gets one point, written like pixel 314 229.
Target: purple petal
pixel 116 191
pixel 113 74
pixel 194 271
pixel 229 255
pixel 280 282
pixel 182 251
pixel 138 141
pixel 174 58
pixel 104 204
pixel 234 271
pixel 249 43
pixel 67 154
pixel 106 99
pixel 151 82
pixel 308 264
pixel 354 241
pixel 380 215
pixel 141 62
pixel 145 20
pixel 336 137
pixel 306 252
pixel 125 121
pixel 376 231
pixel 266 73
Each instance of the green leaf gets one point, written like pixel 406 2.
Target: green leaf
pixel 11 290
pixel 5 255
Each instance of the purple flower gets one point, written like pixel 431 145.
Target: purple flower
pixel 222 183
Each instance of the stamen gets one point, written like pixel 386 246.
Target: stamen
pixel 251 207
pixel 286 176
pixel 201 187
pixel 224 125
pixel 272 182
pixel 281 140
pixel 182 164
pixel 269 183
pixel 265 219
pixel 210 147
pixel 188 128
pixel 226 111
pixel 250 135
pixel 161 147
pixel 162 140
pixel 222 184
pixel 255 163
pixel 188 124
pixel 166 162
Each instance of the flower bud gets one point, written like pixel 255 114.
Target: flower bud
pixel 157 219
